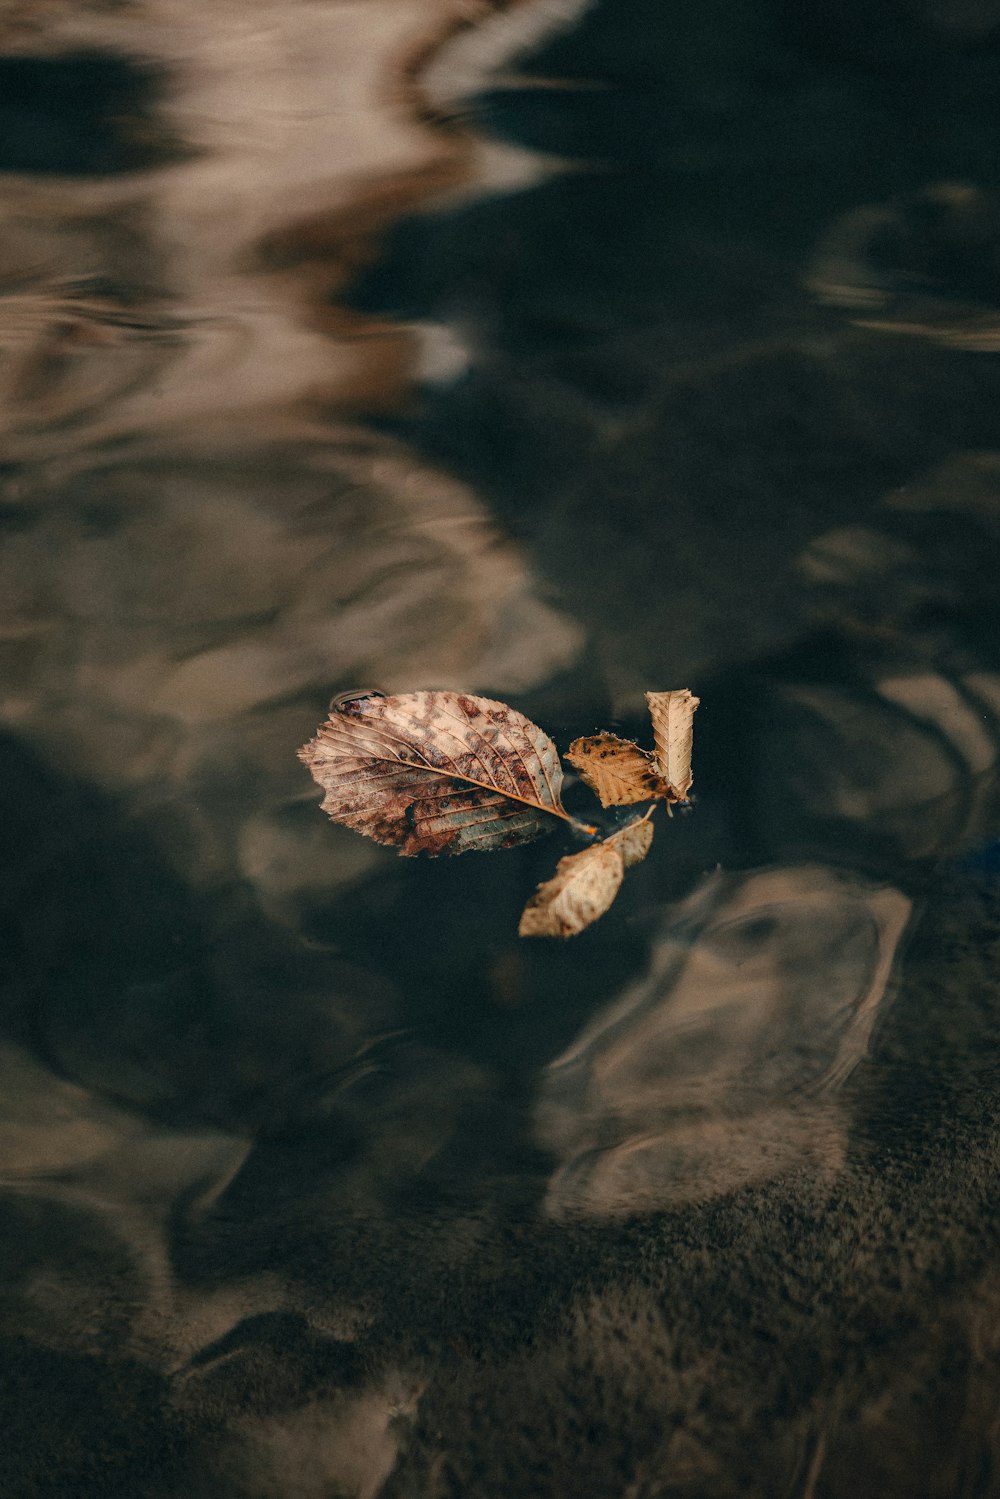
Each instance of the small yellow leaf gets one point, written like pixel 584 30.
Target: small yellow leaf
pixel 581 890
pixel 633 841
pixel 672 714
pixel 616 770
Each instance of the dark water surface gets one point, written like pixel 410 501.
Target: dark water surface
pixel 552 353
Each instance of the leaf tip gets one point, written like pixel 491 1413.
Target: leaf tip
pixel 633 841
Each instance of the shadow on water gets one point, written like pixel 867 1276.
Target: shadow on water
pixel 553 353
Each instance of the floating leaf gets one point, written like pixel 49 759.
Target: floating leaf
pixel 585 884
pixel 437 772
pixel 621 773
pixel 443 772
pixel 633 841
pixel 616 770
pixel 581 890
pixel 673 714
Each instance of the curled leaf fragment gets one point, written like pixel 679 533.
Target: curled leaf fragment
pixel 437 772
pixel 672 714
pixel 581 890
pixel 585 884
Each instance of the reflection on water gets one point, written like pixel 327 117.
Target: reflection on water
pixel 723 1064
pixel 554 351
pixel 215 599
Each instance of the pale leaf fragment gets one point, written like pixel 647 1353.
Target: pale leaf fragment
pixel 633 841
pixel 616 770
pixel 581 890
pixel 673 714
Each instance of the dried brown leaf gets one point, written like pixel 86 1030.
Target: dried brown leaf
pixel 581 890
pixel 672 714
pixel 633 841
pixel 437 772
pixel 616 770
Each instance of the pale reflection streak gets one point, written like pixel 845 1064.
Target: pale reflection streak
pixel 224 543
pixel 90 1189
pixel 723 1065
pixel 302 143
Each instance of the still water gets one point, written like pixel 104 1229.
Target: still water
pixel 554 353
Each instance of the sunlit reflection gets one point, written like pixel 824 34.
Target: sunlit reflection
pixel 725 1064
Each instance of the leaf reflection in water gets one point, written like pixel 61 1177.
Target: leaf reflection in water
pixel 724 1064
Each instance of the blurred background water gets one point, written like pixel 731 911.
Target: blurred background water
pixel 551 351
